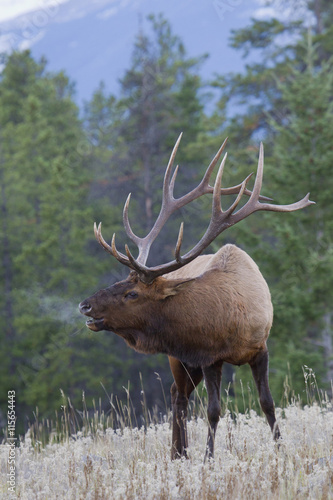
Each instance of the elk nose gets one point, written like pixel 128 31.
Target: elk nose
pixel 85 307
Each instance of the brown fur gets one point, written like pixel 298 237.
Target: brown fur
pixel 216 307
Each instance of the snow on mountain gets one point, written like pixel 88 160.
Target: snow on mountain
pixel 93 41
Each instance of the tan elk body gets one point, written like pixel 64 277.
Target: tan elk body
pixel 225 312
pixel 200 310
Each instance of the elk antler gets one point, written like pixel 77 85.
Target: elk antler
pixel 220 220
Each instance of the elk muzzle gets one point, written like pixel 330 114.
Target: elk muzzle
pixel 93 323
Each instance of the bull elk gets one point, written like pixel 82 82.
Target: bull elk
pixel 200 310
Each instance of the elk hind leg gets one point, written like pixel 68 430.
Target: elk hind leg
pixel 259 367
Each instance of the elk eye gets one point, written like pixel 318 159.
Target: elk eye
pixel 131 295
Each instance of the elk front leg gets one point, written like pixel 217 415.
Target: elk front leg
pixel 179 427
pixel 259 368
pixel 186 379
pixel 212 375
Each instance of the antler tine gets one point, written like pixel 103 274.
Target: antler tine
pixel 216 226
pixel 217 208
pixel 224 191
pixel 236 189
pixel 179 244
pixel 100 239
pixel 118 255
pixel 167 175
pixel 96 231
pixel 140 268
pixel 110 248
pixel 298 205
pixel 172 182
pixel 208 173
pixel 242 190
pixel 127 225
pixel 254 205
pixel 220 220
pixel 258 180
pixel 129 260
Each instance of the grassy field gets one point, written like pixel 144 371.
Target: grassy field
pixel 132 463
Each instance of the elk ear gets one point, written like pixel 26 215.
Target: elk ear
pixel 173 287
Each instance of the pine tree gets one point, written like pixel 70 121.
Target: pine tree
pixel 44 184
pixel 303 157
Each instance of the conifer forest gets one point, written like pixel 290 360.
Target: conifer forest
pixel 63 167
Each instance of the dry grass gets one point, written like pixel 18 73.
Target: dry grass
pixel 132 463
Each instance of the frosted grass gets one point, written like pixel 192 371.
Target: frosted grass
pixel 135 463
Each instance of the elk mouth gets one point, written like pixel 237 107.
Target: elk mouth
pixel 95 324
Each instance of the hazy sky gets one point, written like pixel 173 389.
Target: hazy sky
pixel 22 14
pixel 10 9
pixel 92 40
